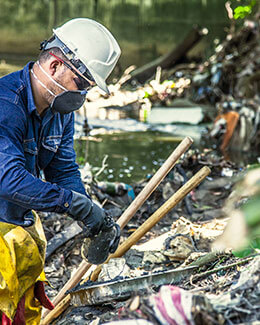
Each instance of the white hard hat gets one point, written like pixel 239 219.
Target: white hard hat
pixel 89 46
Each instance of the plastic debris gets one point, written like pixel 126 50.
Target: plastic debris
pixel 172 306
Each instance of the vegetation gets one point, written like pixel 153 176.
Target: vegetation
pixel 7 68
pixel 241 12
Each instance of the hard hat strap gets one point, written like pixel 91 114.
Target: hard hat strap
pixel 41 83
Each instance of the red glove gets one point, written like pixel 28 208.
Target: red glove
pixel 5 320
pixel 40 294
pixel 19 318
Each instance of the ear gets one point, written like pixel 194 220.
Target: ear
pixel 54 66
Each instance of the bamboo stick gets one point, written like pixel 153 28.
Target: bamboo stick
pixel 138 234
pixel 59 308
pixel 156 217
pixel 126 216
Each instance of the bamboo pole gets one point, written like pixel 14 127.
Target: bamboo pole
pixel 125 217
pixel 138 234
pixel 156 217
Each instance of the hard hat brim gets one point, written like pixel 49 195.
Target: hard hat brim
pixel 100 82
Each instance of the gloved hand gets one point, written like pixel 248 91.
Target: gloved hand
pixel 95 250
pixel 106 228
pixel 89 215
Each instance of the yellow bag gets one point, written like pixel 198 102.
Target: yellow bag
pixel 22 255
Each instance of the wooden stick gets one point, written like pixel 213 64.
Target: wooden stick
pixel 156 217
pixel 126 216
pixel 63 305
pixel 162 211
pixel 139 233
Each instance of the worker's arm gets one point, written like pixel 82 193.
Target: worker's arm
pixel 63 170
pixel 20 187
pixel 17 185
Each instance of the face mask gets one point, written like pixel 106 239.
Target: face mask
pixel 66 102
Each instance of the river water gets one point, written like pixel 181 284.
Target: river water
pixel 135 150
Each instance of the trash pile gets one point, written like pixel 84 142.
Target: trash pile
pixel 175 305
pixel 230 81
pixel 172 267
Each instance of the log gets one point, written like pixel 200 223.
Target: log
pixel 173 57
pixel 61 238
pixel 103 292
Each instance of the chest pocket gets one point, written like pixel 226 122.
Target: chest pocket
pixel 30 146
pixel 30 154
pixel 52 143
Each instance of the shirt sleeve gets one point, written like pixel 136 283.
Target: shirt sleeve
pixel 17 185
pixel 63 169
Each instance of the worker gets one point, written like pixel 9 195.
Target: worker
pixel 38 169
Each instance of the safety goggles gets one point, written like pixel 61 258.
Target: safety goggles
pixel 83 82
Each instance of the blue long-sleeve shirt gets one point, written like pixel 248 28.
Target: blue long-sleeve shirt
pixel 31 146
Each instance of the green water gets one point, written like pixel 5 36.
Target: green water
pixel 145 29
pixel 132 156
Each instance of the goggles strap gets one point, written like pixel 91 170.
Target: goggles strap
pixel 47 75
pixel 42 84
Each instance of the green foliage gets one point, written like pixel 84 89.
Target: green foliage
pixel 243 252
pixel 251 211
pixel 250 249
pixel 241 12
pixel 253 166
pixel 146 94
pixel 81 161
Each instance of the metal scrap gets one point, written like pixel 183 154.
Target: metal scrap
pixel 118 289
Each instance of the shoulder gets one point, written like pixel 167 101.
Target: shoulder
pixel 11 87
pixel 12 115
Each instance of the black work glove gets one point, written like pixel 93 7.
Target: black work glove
pixel 107 226
pixel 88 214
pixel 95 250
